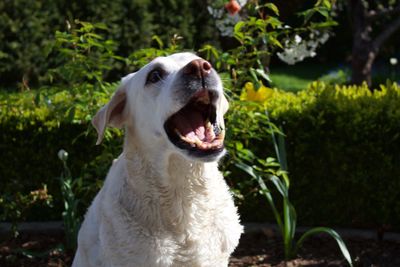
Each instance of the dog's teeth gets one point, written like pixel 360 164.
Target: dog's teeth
pixel 210 135
pixel 184 138
pixel 178 133
pixel 193 142
pixel 198 142
pixel 221 136
pixel 211 139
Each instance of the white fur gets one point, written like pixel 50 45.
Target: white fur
pixel 158 206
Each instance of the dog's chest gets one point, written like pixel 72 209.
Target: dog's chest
pixel 194 247
pixel 178 234
pixel 185 224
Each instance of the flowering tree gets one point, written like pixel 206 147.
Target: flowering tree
pixel 260 33
pixel 373 22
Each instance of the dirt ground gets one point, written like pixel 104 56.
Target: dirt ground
pixel 258 250
pixel 255 249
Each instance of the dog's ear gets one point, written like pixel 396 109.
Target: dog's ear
pixel 112 114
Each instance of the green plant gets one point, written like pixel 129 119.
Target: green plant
pixel 260 34
pixel 15 205
pixel 141 57
pixel 71 218
pixel 287 219
pixel 86 58
pixel 27 28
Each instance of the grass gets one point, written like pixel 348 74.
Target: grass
pixel 297 77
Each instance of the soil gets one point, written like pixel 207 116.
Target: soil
pixel 255 249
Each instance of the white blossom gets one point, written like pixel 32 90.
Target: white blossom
pixel 297 39
pixel 393 61
pixel 297 49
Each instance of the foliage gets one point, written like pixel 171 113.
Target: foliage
pixel 287 219
pixel 87 59
pixel 71 218
pixel 336 134
pixel 16 204
pixel 141 57
pixel 36 124
pixel 260 35
pixel 24 27
pixel 339 77
pixel 28 28
pixel 39 123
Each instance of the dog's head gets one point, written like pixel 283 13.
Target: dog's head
pixel 174 104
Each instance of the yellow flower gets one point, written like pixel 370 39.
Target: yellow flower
pixel 261 95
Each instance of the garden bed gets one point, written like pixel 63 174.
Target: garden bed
pixel 256 248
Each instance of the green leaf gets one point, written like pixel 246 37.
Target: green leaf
pixel 157 38
pixel 272 7
pixel 325 24
pixel 281 187
pixel 237 30
pixel 265 191
pixel 273 22
pixel 274 41
pixel 307 14
pixel 71 114
pixel 333 234
pixel 264 75
pixel 324 12
pixel 289 218
pixel 100 25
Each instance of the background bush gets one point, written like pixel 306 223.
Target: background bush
pixel 342 146
pixel 343 154
pixel 29 28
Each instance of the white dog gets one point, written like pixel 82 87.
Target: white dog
pixel 164 202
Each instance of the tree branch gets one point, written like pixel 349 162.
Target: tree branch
pixel 387 32
pixel 373 15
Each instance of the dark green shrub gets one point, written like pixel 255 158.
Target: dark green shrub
pixel 27 30
pixel 34 128
pixel 343 153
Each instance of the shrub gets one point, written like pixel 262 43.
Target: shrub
pixel 28 27
pixel 34 127
pixel 342 147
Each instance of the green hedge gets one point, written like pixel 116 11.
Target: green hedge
pixel 34 126
pixel 343 147
pixel 344 154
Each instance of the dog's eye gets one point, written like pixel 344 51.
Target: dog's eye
pixel 154 76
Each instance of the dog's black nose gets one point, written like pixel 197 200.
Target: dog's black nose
pixel 198 68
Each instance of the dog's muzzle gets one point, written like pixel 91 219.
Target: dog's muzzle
pixel 194 127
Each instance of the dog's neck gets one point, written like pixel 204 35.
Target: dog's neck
pixel 169 182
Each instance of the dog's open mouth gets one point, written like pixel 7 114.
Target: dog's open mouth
pixel 195 128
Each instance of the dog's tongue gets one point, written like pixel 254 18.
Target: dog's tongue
pixel 190 125
pixel 193 129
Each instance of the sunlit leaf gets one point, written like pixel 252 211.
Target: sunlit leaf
pixel 333 234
